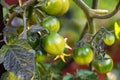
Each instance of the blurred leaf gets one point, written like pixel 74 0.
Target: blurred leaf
pixel 86 75
pixel 36 28
pixel 8 76
pixel 3 51
pixel 20 61
pixel 68 77
pixel 117 30
pixel 17 22
pixel 114 74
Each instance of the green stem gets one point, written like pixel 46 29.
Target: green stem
pixel 92 28
pixel 88 13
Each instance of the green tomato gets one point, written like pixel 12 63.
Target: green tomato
pixel 51 23
pixel 83 55
pixel 65 7
pixel 52 7
pixel 103 66
pixel 40 56
pixel 53 43
pixel 56 7
pixel 109 39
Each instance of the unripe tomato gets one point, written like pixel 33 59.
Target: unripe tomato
pixel 65 7
pixel 51 23
pixel 109 39
pixel 56 7
pixel 103 66
pixel 40 56
pixel 53 43
pixel 83 55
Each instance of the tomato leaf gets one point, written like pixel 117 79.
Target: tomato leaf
pixel 86 75
pixel 3 51
pixel 117 30
pixel 20 61
pixel 36 28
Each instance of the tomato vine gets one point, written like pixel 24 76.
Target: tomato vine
pixel 32 41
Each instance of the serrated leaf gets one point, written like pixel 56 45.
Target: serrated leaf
pixel 117 30
pixel 20 61
pixel 86 75
pixel 3 51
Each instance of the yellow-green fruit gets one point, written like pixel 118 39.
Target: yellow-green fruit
pixel 65 7
pixel 52 7
pixel 83 55
pixel 53 43
pixel 109 39
pixel 51 23
pixel 103 66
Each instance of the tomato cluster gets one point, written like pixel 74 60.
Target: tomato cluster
pixel 46 39
pixel 90 50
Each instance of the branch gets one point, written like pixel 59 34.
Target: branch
pixel 83 6
pixel 108 15
pixel 95 13
pixel 87 11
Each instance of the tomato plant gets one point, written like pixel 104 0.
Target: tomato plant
pixel 83 55
pixel 36 33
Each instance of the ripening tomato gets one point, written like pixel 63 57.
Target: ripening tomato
pixel 103 66
pixel 56 7
pixel 51 23
pixel 53 43
pixel 109 39
pixel 83 55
